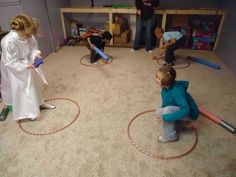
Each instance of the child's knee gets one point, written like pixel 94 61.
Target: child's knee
pixel 170 109
pixel 158 113
pixel 167 110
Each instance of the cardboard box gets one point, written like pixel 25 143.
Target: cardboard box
pixel 117 28
pixel 124 38
pixel 121 20
pixel 180 20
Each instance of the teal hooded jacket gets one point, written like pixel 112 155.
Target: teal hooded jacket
pixel 177 95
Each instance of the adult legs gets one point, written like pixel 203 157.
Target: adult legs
pixel 148 33
pixel 138 34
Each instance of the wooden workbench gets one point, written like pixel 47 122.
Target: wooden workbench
pixel 163 12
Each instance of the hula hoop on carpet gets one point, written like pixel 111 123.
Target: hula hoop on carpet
pixel 188 63
pixel 158 156
pixel 92 65
pixel 61 129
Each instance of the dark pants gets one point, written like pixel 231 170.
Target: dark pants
pixel 169 57
pixel 148 24
pixel 94 56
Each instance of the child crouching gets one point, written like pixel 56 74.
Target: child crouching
pixel 177 108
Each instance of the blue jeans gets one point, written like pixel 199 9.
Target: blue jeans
pixel 148 24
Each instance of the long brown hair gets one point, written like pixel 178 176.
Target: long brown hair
pixel 22 21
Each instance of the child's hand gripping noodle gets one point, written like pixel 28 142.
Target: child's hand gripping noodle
pixel 38 62
pixel 106 58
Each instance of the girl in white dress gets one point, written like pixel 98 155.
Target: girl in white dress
pixel 19 50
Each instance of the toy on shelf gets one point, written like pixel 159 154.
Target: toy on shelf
pixel 72 41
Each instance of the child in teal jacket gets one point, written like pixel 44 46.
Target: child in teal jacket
pixel 177 104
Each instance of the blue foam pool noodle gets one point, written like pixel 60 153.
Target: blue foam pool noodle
pixel 204 62
pixel 101 54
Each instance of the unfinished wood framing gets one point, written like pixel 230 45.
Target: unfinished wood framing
pixel 219 30
pixel 163 12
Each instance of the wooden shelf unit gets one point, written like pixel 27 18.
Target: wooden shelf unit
pixel 163 12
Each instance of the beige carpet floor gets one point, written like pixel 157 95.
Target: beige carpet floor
pixel 97 144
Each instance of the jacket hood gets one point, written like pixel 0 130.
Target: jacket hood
pixel 183 84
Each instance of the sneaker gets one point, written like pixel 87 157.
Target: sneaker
pixel 168 64
pixel 163 140
pixel 106 61
pixel 132 50
pixel 149 51
pixel 95 63
pixel 47 106
pixel 33 119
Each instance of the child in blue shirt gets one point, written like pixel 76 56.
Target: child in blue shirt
pixel 178 107
pixel 172 41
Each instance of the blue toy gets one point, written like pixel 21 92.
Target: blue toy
pixel 101 54
pixel 204 62
pixel 38 62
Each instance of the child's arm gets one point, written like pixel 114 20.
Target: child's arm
pixel 30 66
pixel 35 52
pixel 10 58
pixel 170 42
pixel 90 44
pixel 179 97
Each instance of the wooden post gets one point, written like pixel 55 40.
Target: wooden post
pixel 219 30
pixel 63 24
pixel 164 13
pixel 163 25
pixel 111 26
